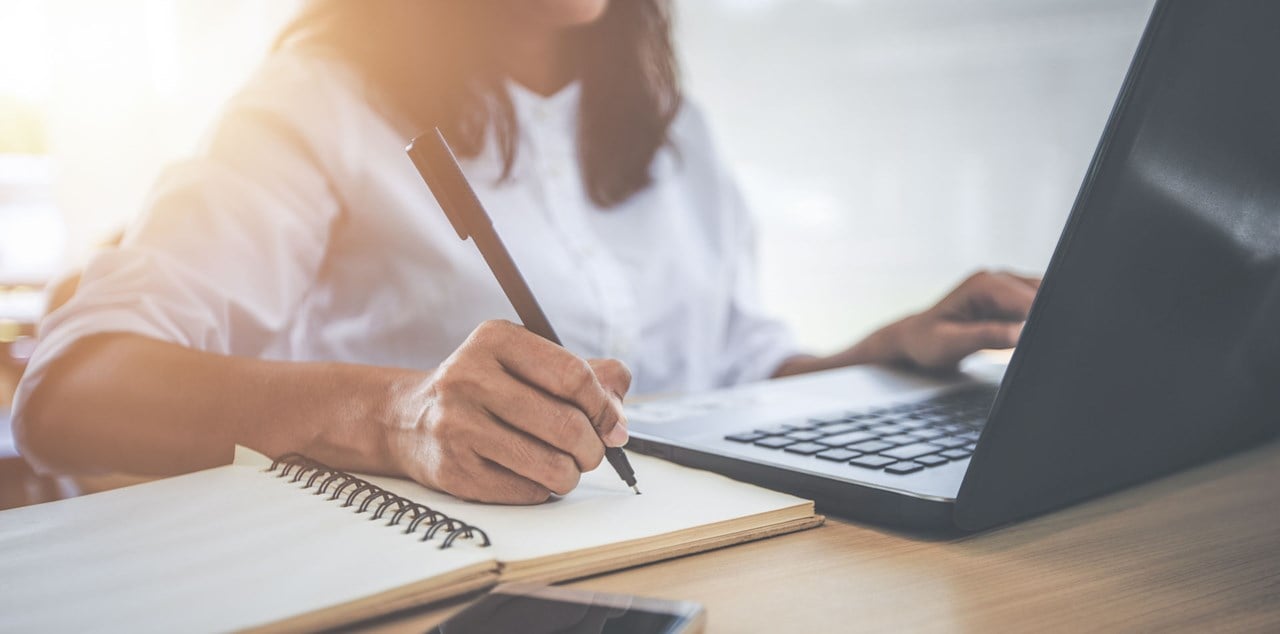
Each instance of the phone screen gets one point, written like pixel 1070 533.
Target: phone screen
pixel 534 615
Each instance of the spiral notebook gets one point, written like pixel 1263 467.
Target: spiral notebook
pixel 294 545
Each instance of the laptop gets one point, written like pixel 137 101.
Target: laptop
pixel 1153 345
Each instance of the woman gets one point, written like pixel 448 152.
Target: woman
pixel 295 287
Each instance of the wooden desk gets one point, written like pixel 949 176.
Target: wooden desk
pixel 1197 551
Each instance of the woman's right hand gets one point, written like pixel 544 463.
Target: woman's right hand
pixel 510 418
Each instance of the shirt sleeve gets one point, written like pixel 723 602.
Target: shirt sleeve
pixel 756 342
pixel 230 241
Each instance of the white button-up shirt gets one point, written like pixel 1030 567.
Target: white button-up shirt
pixel 303 232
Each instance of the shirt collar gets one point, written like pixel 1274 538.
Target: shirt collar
pixel 561 106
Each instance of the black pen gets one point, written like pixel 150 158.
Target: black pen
pixel 436 163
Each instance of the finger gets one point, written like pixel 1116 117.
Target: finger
pixel 999 296
pixel 959 340
pixel 479 480
pixel 554 370
pixel 1030 280
pixel 616 378
pixel 613 375
pixel 552 421
pixel 528 457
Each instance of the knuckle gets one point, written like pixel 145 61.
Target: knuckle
pixel 492 326
pixel 564 475
pixel 490 332
pixel 594 455
pixel 576 374
pixel 534 495
pixel 517 490
pixel 616 374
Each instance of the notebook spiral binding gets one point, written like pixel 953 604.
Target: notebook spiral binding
pixel 375 499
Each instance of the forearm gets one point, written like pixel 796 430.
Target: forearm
pixel 883 346
pixel 131 404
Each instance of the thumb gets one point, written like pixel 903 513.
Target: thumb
pixel 960 339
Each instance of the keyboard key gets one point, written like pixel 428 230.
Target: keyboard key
pixel 823 425
pixel 841 440
pixel 801 425
pixel 775 442
pixel 837 455
pixel 775 429
pixel 915 424
pixel 750 436
pixel 826 420
pixel 970 447
pixel 971 436
pixel 900 439
pixel 950 442
pixel 909 452
pixel 956 454
pixel 931 460
pixel 805 448
pixel 871 446
pixel 871 462
pixel 887 430
pixel 840 428
pixel 903 468
pixel 804 435
pixel 926 434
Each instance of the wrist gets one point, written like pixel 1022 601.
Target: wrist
pixel 399 410
pixel 354 425
pixel 886 346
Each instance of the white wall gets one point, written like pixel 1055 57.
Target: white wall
pixel 890 146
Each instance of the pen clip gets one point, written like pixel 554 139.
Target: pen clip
pixel 439 168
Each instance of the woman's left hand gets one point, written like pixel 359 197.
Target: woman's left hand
pixel 987 310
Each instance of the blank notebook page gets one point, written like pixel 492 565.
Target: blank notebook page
pixel 603 511
pixel 221 549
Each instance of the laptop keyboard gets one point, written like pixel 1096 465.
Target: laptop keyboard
pixel 901 439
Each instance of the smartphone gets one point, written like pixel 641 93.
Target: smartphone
pixel 535 609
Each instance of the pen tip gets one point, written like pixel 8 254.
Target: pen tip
pixel 636 489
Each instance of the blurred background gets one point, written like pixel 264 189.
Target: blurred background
pixel 888 147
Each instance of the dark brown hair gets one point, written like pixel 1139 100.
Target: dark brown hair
pixel 429 61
